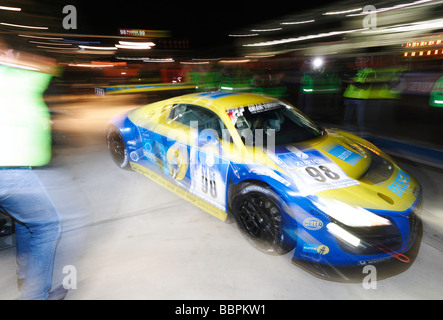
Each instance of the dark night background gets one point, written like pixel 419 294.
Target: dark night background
pixel 205 23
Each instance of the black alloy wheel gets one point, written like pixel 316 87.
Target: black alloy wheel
pixel 117 148
pixel 259 217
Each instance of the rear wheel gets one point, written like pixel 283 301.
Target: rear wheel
pixel 257 211
pixel 117 148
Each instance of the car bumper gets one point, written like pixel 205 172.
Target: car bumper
pixel 386 265
pixel 329 257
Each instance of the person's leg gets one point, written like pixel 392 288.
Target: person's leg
pixel 349 111
pixel 22 241
pixel 361 110
pixel 38 230
pixel 309 108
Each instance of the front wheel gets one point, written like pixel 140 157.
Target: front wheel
pixel 257 211
pixel 117 148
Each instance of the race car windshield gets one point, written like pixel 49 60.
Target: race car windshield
pixel 273 122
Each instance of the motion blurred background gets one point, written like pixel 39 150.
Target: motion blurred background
pixel 106 57
pixel 303 53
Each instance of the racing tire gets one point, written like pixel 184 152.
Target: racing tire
pixel 257 209
pixel 117 148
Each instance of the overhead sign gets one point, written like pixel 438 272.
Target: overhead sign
pixel 144 33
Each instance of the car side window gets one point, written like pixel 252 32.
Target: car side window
pixel 203 118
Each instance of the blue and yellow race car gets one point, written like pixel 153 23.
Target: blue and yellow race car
pixel 333 198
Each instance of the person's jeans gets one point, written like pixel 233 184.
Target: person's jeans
pixel 37 229
pixel 357 106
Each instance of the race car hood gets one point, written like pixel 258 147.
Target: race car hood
pixel 339 166
pixel 326 161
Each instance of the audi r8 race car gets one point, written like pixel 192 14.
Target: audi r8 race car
pixel 333 198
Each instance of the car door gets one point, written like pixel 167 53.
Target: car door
pixel 193 153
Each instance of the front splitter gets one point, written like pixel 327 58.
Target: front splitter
pixel 385 268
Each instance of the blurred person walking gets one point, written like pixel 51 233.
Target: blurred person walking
pixel 25 142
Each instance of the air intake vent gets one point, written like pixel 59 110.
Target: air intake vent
pixel 386 198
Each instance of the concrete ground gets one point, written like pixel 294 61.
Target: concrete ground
pixel 125 237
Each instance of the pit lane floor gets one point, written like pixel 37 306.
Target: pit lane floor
pixel 125 237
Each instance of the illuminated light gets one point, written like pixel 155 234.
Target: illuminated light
pixel 85 65
pixel 297 22
pixel 261 56
pixel 318 62
pixel 56 48
pixel 144 33
pixel 97 52
pixel 301 38
pixel 132 58
pixel 308 90
pixel 266 30
pixel 343 234
pixel 244 35
pixel 438 41
pixel 421 53
pixel 413 54
pixel 342 12
pixel 421 25
pixel 194 62
pixel 159 60
pixel 137 44
pixel 414 44
pixel 368 146
pixel 226 88
pixel 83 42
pixel 406 54
pixel 22 26
pixel 51 43
pixel 14 65
pixel 398 6
pixel 431 43
pixel 115 64
pixel 39 37
pixel 120 46
pixel 10 8
pixel 438 101
pixel 436 51
pixel 349 215
pixel 97 48
pixel 235 61
pixel 428 53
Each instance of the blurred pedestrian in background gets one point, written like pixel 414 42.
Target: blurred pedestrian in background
pixel 357 93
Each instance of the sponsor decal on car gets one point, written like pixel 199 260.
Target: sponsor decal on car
pixel 313 172
pixel 315 248
pixel 400 184
pixel 262 107
pixel 346 155
pixel 312 223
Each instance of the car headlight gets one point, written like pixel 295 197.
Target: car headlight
pixel 349 215
pixel 341 233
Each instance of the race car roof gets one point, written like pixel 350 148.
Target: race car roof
pixel 223 101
